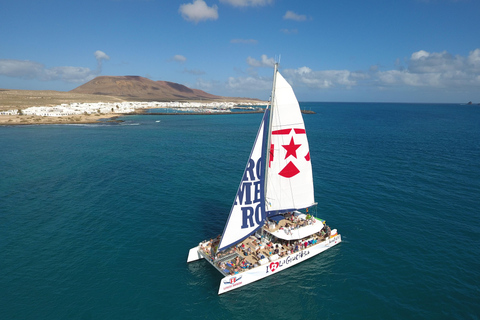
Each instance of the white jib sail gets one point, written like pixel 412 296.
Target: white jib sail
pixel 248 210
pixel 289 180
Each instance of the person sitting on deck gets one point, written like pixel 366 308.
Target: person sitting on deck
pixel 223 267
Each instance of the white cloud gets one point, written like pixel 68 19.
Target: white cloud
pixel 436 74
pixel 100 55
pixel 437 70
pixel 198 11
pixel 290 15
pixel 34 70
pixel 20 68
pixel 247 3
pixel 323 79
pixel 263 62
pixel 69 74
pixel 474 59
pixel 423 69
pixel 208 85
pixel 245 41
pixel 179 58
pixel 289 31
pixel 248 84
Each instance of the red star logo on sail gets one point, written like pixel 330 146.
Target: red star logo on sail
pixel 291 149
pixel 290 170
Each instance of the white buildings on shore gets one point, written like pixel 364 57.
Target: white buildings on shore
pixel 120 108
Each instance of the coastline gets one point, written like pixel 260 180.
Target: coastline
pixel 19 120
pixel 31 107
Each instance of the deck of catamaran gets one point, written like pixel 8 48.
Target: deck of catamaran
pixel 285 235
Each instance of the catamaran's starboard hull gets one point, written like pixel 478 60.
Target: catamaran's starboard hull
pixel 239 280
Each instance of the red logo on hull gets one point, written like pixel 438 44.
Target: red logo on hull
pixel 274 266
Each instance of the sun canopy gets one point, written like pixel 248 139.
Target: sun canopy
pixel 287 233
pixel 277 218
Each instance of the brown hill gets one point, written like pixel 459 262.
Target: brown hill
pixel 142 89
pixel 14 99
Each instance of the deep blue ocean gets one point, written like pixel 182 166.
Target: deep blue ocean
pixel 96 220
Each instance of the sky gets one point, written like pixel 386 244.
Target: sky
pixel 425 51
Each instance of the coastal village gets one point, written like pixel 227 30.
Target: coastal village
pixel 108 108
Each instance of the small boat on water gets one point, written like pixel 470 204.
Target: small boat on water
pixel 270 227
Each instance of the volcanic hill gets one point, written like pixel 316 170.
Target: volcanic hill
pixel 142 89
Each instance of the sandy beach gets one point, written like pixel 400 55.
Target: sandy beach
pixel 34 120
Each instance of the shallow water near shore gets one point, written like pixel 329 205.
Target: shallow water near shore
pixel 96 220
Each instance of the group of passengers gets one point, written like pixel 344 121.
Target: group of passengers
pixel 258 249
pixel 295 222
pixel 298 245
pixel 210 248
pixel 300 222
pixel 235 265
pixel 326 231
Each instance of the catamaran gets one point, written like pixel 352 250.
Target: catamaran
pixel 270 227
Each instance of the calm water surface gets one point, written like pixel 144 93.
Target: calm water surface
pixel 96 221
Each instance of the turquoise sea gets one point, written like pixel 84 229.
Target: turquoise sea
pixel 96 220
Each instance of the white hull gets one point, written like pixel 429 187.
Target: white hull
pixel 232 282
pixel 194 255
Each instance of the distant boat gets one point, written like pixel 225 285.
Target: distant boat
pixel 269 228
pixel 157 121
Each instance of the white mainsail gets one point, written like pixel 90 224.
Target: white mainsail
pixel 289 181
pixel 289 171
pixel 248 210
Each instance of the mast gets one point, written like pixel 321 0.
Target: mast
pixel 269 136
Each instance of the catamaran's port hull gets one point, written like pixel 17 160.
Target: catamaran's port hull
pixel 194 254
pixel 232 282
